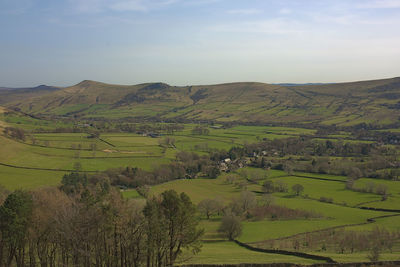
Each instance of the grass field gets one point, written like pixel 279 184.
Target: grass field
pixel 332 215
pixel 224 252
pixel 199 189
pixel 13 178
pixel 43 158
pixel 52 152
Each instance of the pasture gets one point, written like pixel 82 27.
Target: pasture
pixel 43 158
pixel 224 252
pixel 334 215
pixel 49 155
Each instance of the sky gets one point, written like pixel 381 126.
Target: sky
pixel 188 42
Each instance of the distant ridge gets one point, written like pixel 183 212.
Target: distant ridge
pixel 350 103
pixel 37 88
pixel 300 84
pixel 8 94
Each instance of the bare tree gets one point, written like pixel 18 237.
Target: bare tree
pixel 210 207
pixel 297 189
pixel 231 227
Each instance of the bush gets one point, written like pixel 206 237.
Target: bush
pixel 231 227
pixel 326 199
pixel 297 189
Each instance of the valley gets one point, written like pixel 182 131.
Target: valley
pixel 308 169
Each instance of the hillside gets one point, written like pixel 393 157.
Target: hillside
pixel 8 95
pixel 352 103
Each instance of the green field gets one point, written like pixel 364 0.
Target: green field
pixel 43 158
pixel 334 215
pixel 49 155
pixel 223 252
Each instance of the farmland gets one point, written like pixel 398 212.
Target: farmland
pixel 41 159
pixel 199 133
pixel 45 154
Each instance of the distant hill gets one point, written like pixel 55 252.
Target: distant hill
pixel 376 101
pixel 299 84
pixel 8 95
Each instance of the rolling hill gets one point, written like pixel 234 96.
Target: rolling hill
pixel 376 101
pixel 14 94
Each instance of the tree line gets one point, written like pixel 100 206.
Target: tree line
pixel 186 166
pixel 309 155
pixel 88 223
pixel 374 242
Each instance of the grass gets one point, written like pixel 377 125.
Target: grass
pixel 245 102
pixel 329 189
pixel 199 189
pixel 322 176
pixel 58 151
pixel 12 178
pixel 332 216
pixel 224 252
pixel 265 230
pixel 393 187
pixel 359 256
pixel 128 194
pixel 390 223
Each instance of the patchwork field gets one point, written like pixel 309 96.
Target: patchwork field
pixel 42 158
pixel 256 232
pixel 47 156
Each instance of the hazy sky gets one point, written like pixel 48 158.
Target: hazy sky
pixel 61 42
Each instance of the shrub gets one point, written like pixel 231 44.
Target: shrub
pixel 231 227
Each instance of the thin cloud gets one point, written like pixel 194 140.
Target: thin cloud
pixel 199 2
pixel 336 19
pixel 15 7
pixel 285 11
pixel 97 6
pixel 278 26
pixel 129 6
pixel 248 11
pixel 384 4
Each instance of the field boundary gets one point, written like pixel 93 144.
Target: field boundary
pixel 368 221
pixel 378 209
pixel 316 178
pixel 43 169
pixel 51 147
pixel 209 139
pixel 106 142
pixel 349 264
pixel 286 252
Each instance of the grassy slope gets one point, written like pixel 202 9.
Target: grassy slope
pixel 2 123
pixel 224 252
pixel 342 104
pixel 256 231
pixel 333 215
